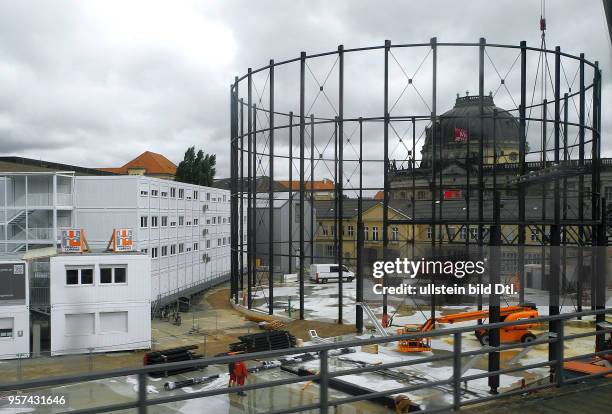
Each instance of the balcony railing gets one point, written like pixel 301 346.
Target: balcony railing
pixel 324 375
pixel 40 233
pixel 41 199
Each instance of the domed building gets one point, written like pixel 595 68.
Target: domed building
pixel 458 134
pixel 455 150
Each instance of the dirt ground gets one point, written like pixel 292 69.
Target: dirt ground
pixel 211 325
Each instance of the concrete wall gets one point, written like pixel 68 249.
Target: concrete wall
pixel 100 317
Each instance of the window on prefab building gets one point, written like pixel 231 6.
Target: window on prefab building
pixel 181 220
pixel 394 234
pixel 219 220
pixel 164 251
pixel 164 194
pixel 79 276
pixel 154 252
pixel 214 219
pixel 195 246
pixel 172 249
pixel 181 247
pixel 196 221
pixel 172 192
pixel 164 221
pixel 224 198
pixel 154 193
pixel 153 221
pixel 144 221
pixel 113 274
pixel 351 231
pixel 208 244
pixel 374 233
pixel 181 193
pixel 218 242
pixel 207 196
pixel 144 192
pixel 195 195
pixel 6 327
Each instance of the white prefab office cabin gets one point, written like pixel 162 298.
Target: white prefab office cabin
pixel 100 302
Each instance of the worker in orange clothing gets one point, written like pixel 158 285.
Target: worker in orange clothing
pixel 240 374
pixel 385 320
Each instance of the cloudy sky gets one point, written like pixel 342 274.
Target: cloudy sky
pixel 95 83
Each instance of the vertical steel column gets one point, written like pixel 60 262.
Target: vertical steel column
pixel 602 239
pixel 494 302
pixel 233 190
pixel 336 215
pixel 323 381
pixel 142 393
pixel 386 170
pixel 555 229
pixel 359 270
pixel 564 207
pixel 543 131
pixel 271 241
pixel 481 189
pixel 457 371
pixel 521 171
pixel 241 186
pixel 581 243
pixel 290 249
pixel 312 192
pixel 595 199
pixel 234 219
pixel 250 194
pixel 434 137
pixel 302 126
pixel 339 186
pixel 412 171
pixel 255 191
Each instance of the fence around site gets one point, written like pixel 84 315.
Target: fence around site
pixel 142 402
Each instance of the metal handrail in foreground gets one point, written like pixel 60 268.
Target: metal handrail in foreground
pixel 324 375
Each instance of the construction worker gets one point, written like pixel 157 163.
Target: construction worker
pixel 240 374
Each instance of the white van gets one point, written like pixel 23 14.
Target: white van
pixel 323 273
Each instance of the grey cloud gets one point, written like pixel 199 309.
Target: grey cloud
pixel 97 83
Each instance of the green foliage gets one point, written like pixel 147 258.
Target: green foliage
pixel 197 168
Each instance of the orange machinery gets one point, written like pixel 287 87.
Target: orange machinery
pixel 516 333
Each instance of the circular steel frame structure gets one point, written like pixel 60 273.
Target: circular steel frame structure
pixel 305 124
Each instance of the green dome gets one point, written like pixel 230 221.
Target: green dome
pixel 458 131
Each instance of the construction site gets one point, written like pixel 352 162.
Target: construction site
pixel 439 246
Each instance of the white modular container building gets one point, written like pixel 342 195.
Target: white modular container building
pixel 100 302
pixel 184 228
pixel 14 311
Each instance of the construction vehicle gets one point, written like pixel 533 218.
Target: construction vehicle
pixel 516 333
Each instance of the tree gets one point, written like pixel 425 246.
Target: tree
pixel 197 168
